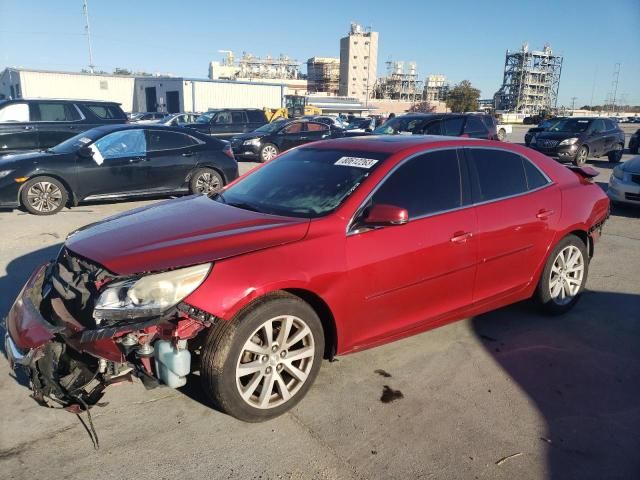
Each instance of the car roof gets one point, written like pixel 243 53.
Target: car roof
pixel 148 126
pixel 393 143
pixel 65 100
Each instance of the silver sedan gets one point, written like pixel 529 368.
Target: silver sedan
pixel 624 184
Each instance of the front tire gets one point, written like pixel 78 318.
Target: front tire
pixel 564 276
pixel 581 156
pixel 206 181
pixel 502 134
pixel 44 196
pixel 616 155
pixel 262 363
pixel 268 151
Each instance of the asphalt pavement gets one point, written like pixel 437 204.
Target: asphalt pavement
pixel 510 394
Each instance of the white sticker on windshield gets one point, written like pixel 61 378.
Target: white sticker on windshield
pixel 356 162
pixel 84 140
pixel 97 156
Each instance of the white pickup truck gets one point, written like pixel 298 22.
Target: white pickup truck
pixel 502 130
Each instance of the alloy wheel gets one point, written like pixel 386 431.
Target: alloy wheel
pixel 582 155
pixel 269 152
pixel 207 183
pixel 44 196
pixel 275 362
pixel 567 274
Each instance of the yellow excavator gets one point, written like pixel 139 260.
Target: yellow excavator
pixel 296 106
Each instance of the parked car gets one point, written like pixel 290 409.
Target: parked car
pixel 361 124
pixel 575 139
pixel 451 124
pixel 33 124
pixel 271 139
pixel 503 130
pixel 634 142
pixel 331 248
pixel 228 122
pixel 624 183
pixel 542 126
pixel 147 117
pixel 112 162
pixel 177 119
pixel 333 121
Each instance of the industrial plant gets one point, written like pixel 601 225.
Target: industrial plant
pixel 399 84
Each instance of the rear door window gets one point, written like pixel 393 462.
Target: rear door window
pixel 452 126
pixel 238 117
pixel 498 173
pixel 424 185
pixel 598 126
pixel 295 127
pixel 105 112
pixel 317 127
pixel 433 128
pixel 14 112
pixel 535 178
pixel 158 140
pixel 255 116
pixel 54 112
pixel 475 127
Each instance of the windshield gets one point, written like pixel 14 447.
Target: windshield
pixel 571 125
pixel 360 123
pixel 205 117
pixel 74 143
pixel 271 127
pixel 400 126
pixel 306 182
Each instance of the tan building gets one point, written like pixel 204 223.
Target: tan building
pixel 323 75
pixel 358 62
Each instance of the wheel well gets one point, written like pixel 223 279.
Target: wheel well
pixel 326 317
pixel 70 194
pixel 584 236
pixel 217 170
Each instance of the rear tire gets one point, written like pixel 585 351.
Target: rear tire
pixel 616 155
pixel 206 181
pixel 564 276
pixel 502 134
pixel 262 363
pixel 44 196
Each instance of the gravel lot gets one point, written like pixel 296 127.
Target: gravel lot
pixel 510 394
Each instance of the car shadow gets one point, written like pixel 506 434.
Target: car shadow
pixel 582 372
pixel 17 273
pixel 602 164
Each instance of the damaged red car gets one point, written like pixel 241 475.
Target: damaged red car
pixel 329 249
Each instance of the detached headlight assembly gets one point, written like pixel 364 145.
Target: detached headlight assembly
pixel 569 141
pixel 150 295
pixel 252 141
pixel 4 173
pixel 618 173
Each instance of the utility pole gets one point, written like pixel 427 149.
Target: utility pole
pixel 616 78
pixel 573 103
pixel 87 29
pixel 593 86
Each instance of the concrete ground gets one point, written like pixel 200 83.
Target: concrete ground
pixel 510 394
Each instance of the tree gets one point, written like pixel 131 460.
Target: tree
pixel 463 97
pixel 422 107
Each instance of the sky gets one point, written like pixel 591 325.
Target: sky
pixel 465 40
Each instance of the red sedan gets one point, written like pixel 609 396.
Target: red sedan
pixel 329 249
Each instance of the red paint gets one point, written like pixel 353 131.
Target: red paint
pixel 379 285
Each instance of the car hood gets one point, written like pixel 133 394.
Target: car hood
pixel 632 166
pixel 181 232
pixel 249 135
pixel 558 135
pixel 14 159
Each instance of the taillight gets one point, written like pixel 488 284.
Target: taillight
pixel 228 151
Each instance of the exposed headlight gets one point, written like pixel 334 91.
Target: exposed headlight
pixel 4 173
pixel 569 141
pixel 252 141
pixel 150 295
pixel 618 172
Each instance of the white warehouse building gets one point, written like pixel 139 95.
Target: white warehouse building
pixel 141 94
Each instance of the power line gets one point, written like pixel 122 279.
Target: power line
pixel 87 29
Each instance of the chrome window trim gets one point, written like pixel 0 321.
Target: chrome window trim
pixel 350 232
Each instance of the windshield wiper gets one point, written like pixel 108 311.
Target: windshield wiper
pixel 244 206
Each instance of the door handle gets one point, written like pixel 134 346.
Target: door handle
pixel 544 214
pixel 187 154
pixel 461 237
pixel 28 127
pixel 303 138
pixel 137 160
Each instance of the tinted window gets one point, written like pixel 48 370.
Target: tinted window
pixel 598 126
pixel 610 125
pixel 54 112
pixel 238 117
pixel 490 122
pixel 571 125
pixel 106 112
pixel 223 117
pixel 426 184
pixel 500 173
pixel 304 182
pixel 124 143
pixel 316 127
pixel 432 128
pixel 475 126
pixel 255 116
pixel 535 179
pixel 293 128
pixel 452 126
pixel 157 140
pixel 15 112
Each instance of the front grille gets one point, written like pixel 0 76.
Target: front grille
pixel 635 178
pixel 546 143
pixel 632 196
pixel 75 280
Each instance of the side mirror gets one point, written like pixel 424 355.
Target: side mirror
pixel 85 152
pixel 386 215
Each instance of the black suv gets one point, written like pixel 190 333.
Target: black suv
pixel 451 124
pixel 542 127
pixel 575 139
pixel 271 139
pixel 225 123
pixel 37 124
